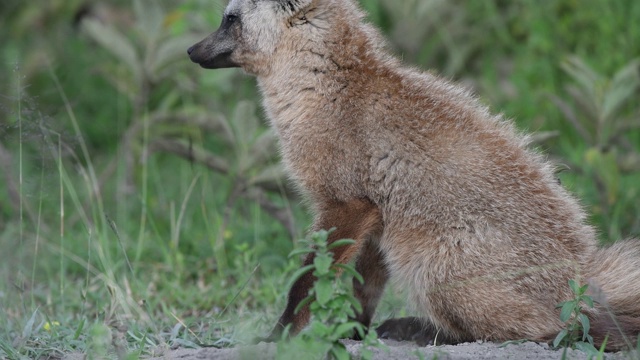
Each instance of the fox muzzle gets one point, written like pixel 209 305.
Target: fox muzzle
pixel 214 52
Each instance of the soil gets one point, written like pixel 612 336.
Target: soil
pixel 391 331
pixel 401 350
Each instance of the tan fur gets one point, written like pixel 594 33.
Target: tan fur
pixel 437 192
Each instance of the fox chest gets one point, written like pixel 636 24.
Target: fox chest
pixel 325 165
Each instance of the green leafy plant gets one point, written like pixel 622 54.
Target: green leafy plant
pixel 604 113
pixel 576 334
pixel 331 304
pixel 601 115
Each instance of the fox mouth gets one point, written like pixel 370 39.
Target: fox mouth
pixel 219 61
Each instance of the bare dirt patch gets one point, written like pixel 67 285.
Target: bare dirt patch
pixel 397 350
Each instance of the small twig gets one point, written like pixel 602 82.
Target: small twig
pixel 191 153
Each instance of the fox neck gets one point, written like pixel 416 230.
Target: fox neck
pixel 317 74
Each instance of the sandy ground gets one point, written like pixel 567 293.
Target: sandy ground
pixel 395 350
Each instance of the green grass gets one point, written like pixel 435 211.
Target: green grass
pixel 114 243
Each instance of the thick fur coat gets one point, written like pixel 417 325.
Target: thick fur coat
pixel 439 194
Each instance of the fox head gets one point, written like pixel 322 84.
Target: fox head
pixel 256 33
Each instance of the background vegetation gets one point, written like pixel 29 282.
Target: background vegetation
pixel 141 201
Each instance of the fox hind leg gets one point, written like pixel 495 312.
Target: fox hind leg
pixel 371 265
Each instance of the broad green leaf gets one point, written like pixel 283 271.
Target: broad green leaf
pixel 298 274
pixel 561 335
pixel 586 347
pixel 350 312
pixel 354 303
pixel 362 331
pixel 298 252
pixel 341 242
pixel 583 289
pixel 324 291
pixel 351 271
pixel 321 236
pixel 339 352
pixel 589 339
pixel 320 329
pixel 322 264
pixel 567 310
pixel 302 304
pixel 343 330
pixel 586 325
pixel 574 286
pixel 588 300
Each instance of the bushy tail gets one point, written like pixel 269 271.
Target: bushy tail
pixel 615 284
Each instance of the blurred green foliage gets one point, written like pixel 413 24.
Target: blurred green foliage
pixel 135 183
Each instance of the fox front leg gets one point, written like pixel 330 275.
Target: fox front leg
pixel 356 219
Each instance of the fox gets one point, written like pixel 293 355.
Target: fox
pixel 441 196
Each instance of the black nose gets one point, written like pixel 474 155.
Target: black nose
pixel 190 50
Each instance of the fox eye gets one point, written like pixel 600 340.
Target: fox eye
pixel 230 18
